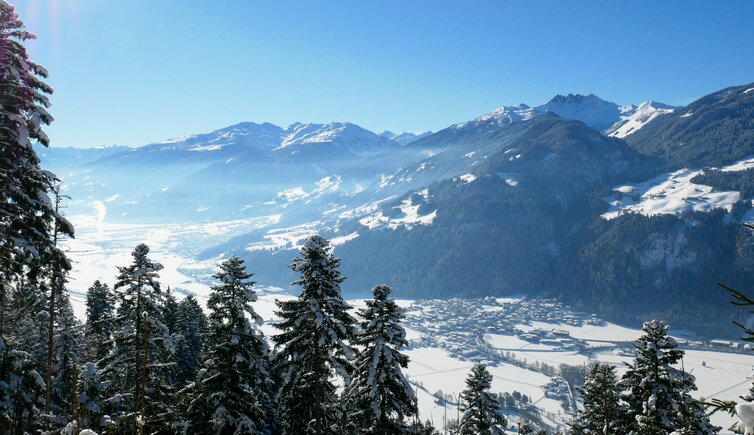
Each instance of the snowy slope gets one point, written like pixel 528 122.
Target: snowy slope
pixel 499 117
pixel 404 138
pixel 336 136
pixel 673 193
pixel 261 137
pixel 633 118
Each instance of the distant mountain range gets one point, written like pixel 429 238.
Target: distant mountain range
pixel 630 212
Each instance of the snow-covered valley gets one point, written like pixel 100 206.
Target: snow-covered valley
pixel 523 340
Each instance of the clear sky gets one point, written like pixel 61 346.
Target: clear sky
pixel 138 71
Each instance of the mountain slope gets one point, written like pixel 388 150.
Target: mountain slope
pixel 712 131
pixel 589 109
pixel 519 200
pixel 634 118
pixel 404 138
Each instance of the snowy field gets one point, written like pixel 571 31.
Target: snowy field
pixel 447 337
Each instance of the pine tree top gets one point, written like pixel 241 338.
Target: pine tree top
pixel 142 271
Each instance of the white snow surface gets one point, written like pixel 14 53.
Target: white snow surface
pixel 742 165
pixel 436 361
pixel 350 136
pixel 633 118
pixel 410 217
pixel 672 193
pixel 500 116
pixel 100 247
pixel 285 238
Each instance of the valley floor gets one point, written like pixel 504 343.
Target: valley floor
pixel 520 339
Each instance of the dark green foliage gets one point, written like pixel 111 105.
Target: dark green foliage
pixel 711 131
pixel 189 336
pixel 635 258
pixel 380 398
pixel 89 392
pixel 602 411
pixel 481 409
pixel 68 340
pixel 29 259
pixel 312 347
pixel 132 384
pixel 170 311
pixel 419 428
pixel 27 215
pixel 741 181
pixel 574 375
pixel 231 392
pixel 656 389
pixel 100 305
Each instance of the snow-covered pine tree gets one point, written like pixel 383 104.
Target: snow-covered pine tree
pixel 27 214
pixel 170 310
pixel 56 268
pixel 68 340
pixel 231 392
pixel 189 337
pixel 602 413
pixel 480 408
pixel 380 397
pixel 419 428
pixel 22 392
pixel 136 372
pixel 691 417
pixel 89 396
pixel 100 305
pixel 312 348
pixel 654 389
pixel 22 397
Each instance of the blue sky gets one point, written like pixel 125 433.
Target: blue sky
pixel 133 72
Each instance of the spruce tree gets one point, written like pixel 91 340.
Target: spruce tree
pixel 27 217
pixel 22 401
pixel 100 305
pixel 170 311
pixel 691 416
pixel 312 348
pixel 22 392
pixel 602 413
pixel 136 371
pixel 27 214
pixel 655 390
pixel 480 408
pixel 89 396
pixel 380 397
pixel 231 393
pixel 68 340
pixel 189 337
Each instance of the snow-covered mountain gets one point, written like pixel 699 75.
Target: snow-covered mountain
pixel 601 115
pixel 404 138
pixel 499 117
pixel 715 130
pixel 466 196
pixel 589 109
pixel 245 135
pixel 633 118
pixel 335 138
